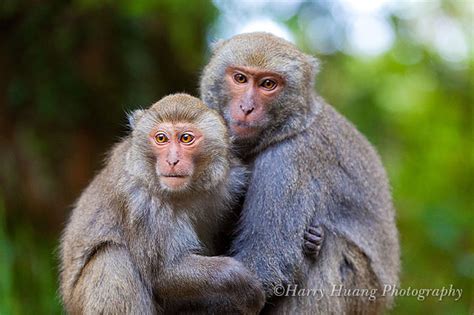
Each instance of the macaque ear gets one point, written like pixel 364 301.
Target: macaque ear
pixel 314 63
pixel 216 45
pixel 134 117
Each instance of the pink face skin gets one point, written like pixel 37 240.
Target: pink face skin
pixel 251 91
pixel 175 146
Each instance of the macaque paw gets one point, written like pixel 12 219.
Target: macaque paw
pixel 313 240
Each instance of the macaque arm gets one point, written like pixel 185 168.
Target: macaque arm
pixel 110 284
pixel 274 217
pixel 213 284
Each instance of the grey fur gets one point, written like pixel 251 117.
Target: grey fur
pixel 308 163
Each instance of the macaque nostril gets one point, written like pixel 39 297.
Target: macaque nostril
pixel 172 163
pixel 247 110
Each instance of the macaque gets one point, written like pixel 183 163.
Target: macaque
pixel 140 238
pixel 312 176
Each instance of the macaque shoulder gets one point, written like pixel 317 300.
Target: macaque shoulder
pixel 311 153
pixel 101 202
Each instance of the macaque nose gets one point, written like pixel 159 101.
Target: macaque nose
pixel 172 162
pixel 247 109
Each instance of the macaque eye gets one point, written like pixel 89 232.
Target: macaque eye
pixel 161 138
pixel 240 78
pixel 268 84
pixel 186 138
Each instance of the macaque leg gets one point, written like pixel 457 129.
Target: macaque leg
pixel 210 285
pixel 110 284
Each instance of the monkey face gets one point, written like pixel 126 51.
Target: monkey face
pixel 179 145
pixel 261 84
pixel 252 91
pixel 176 147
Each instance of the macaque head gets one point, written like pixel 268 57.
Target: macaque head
pixel 257 81
pixel 184 142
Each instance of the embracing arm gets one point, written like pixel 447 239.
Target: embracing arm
pixel 274 217
pixel 209 285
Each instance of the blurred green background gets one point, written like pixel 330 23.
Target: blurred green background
pixel 69 71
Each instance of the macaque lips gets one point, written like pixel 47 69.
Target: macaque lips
pixel 175 182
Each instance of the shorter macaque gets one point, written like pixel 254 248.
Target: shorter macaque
pixel 139 237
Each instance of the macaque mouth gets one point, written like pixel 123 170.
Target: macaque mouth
pixel 174 175
pixel 244 124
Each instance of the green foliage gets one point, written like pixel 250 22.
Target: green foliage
pixel 28 271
